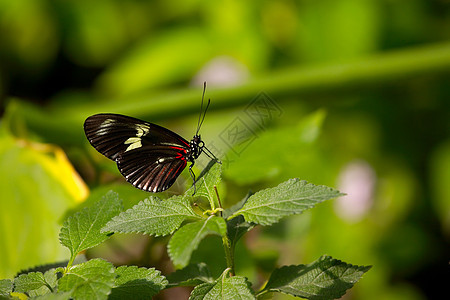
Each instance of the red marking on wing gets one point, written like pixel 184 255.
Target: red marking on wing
pixel 181 154
pixel 184 142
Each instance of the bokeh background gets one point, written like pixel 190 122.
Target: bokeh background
pixel 353 94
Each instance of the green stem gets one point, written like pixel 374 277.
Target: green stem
pixel 229 254
pixel 229 249
pixel 374 70
pixel 359 74
pixel 69 264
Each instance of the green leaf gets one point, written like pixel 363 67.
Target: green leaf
pixel 236 287
pixel 137 283
pixel 81 231
pixel 291 197
pixel 36 283
pixel 93 279
pixel 6 286
pixel 326 278
pixel 191 275
pixel 204 184
pixel 188 237
pixel 153 216
pixel 128 194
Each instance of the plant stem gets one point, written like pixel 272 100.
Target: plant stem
pixel 69 264
pixel 381 68
pixel 229 254
pixel 229 249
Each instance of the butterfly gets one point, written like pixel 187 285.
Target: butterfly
pixel 149 156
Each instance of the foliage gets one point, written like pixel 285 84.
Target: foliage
pixel 291 197
pixel 153 216
pixel 326 278
pixel 378 69
pixel 37 186
pixel 82 230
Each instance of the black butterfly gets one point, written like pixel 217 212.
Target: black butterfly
pixel 149 156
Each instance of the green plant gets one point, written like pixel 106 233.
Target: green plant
pixel 326 278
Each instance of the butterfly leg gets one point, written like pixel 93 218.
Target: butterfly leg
pixel 211 155
pixel 193 177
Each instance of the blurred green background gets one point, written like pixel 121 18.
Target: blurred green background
pixel 352 94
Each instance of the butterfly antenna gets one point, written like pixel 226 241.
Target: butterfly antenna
pixel 199 123
pixel 204 114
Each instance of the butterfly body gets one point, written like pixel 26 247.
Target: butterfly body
pixel 149 156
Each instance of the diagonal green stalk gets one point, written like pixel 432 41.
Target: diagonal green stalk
pixel 381 68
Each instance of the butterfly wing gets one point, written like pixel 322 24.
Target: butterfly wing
pixel 113 134
pixel 149 156
pixel 152 168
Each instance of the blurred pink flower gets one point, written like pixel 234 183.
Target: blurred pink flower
pixel 222 71
pixel 357 180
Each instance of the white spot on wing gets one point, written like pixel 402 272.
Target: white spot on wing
pixel 142 129
pixel 134 142
pixel 104 127
pixel 107 122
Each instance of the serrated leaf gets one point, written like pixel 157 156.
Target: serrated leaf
pixel 291 197
pixel 191 275
pixel 6 286
pixel 93 279
pixel 153 216
pixel 236 287
pixel 209 177
pixel 326 278
pixel 81 231
pixel 35 283
pixel 188 237
pixel 137 283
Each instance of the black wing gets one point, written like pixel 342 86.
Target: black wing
pixel 152 168
pixel 114 134
pixel 149 156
